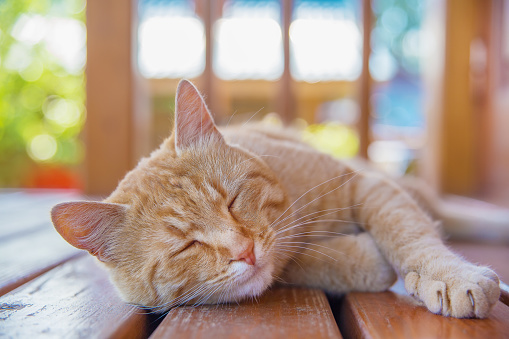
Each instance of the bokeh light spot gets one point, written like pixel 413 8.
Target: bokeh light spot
pixel 394 19
pixel 61 111
pixel 335 139
pixel 42 147
pixel 382 65
pixel 33 72
pixel 32 96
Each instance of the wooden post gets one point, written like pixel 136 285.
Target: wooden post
pixel 116 131
pixel 286 99
pixel 460 120
pixel 494 139
pixel 365 80
pixel 491 24
pixel 210 12
pixel 459 112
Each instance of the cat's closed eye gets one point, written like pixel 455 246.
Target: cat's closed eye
pixel 230 205
pixel 190 245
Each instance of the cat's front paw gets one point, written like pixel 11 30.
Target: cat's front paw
pixel 459 289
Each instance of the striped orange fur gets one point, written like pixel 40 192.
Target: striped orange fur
pixel 217 215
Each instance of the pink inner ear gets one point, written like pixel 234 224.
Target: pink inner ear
pixel 192 118
pixel 86 225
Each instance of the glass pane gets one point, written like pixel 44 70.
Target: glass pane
pixel 398 46
pixel 248 41
pixel 171 39
pixel 325 40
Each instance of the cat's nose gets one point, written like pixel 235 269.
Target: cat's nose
pixel 246 254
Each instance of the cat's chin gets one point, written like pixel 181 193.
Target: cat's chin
pixel 254 284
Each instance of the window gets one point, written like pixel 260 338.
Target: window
pixel 398 42
pixel 325 40
pixel 171 39
pixel 248 41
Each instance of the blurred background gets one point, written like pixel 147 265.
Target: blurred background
pixel 415 86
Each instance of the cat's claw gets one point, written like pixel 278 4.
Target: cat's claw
pixel 461 290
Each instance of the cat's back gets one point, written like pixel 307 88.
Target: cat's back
pixel 298 165
pixel 263 139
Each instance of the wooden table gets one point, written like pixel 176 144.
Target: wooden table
pixel 51 289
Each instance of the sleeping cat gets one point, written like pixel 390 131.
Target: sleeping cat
pixel 218 215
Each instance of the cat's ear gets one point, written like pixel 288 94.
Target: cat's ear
pixel 88 225
pixel 193 122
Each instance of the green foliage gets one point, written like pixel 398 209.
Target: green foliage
pixel 39 95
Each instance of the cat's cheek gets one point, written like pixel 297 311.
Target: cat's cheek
pixel 131 289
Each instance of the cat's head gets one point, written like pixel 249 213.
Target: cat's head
pixel 190 224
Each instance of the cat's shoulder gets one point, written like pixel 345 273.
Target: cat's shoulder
pixel 260 130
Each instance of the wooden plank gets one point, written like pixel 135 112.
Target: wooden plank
pixel 391 315
pixel 394 314
pixel 279 313
pixel 19 201
pixel 26 212
pixel 27 257
pixel 74 300
pixel 7 196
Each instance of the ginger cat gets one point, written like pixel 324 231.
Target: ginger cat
pixel 215 216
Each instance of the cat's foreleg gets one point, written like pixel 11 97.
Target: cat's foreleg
pixel 341 264
pixel 408 238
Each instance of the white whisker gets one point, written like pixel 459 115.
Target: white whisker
pixel 323 183
pixel 313 244
pixel 252 116
pixel 288 226
pixel 229 120
pixel 331 210
pixel 315 234
pixel 306 248
pixel 299 252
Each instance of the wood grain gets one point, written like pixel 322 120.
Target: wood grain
pixel 459 128
pixel 24 212
pixel 12 200
pixel 74 300
pixel 27 257
pixel 279 313
pixel 394 314
pixel 391 315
